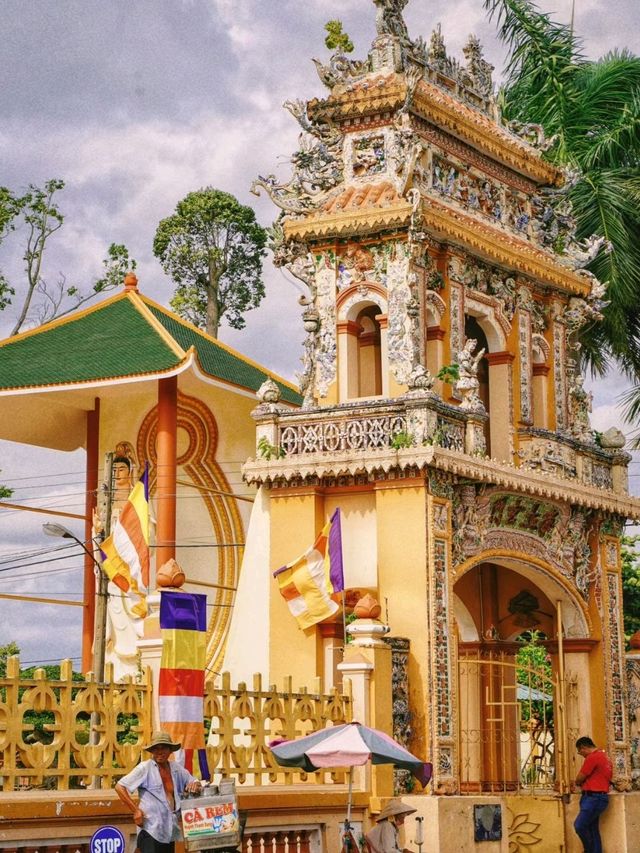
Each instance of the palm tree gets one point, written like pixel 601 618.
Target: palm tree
pixel 593 109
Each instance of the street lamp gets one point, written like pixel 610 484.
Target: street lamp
pixel 99 636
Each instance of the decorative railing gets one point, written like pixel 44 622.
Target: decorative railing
pixel 243 722
pixel 563 456
pixel 95 732
pixel 365 426
pixel 348 433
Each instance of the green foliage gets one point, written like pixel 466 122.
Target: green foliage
pixel 534 672
pixel 593 110
pixel 39 217
pixel 5 492
pixel 270 451
pixel 7 651
pixel 630 585
pixel 116 265
pixel 402 440
pixel 336 38
pixel 212 247
pixel 449 373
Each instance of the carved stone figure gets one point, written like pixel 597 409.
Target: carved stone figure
pixel 575 550
pixel 478 69
pixel 532 134
pixel 467 385
pixel 389 19
pixel 420 379
pixel 340 71
pixel 580 403
pixel 582 253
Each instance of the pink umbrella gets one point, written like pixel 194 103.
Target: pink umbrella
pixel 348 745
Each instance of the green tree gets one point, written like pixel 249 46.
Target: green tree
pixel 5 492
pixel 7 651
pixel 37 216
pixel 336 38
pixel 212 247
pixel 593 110
pixel 630 585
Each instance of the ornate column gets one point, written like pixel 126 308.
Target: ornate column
pixel 402 779
pixel 633 698
pixel 167 470
pixel 442 647
pixel 613 642
pixel 501 405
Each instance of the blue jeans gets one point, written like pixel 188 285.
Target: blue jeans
pixel 586 824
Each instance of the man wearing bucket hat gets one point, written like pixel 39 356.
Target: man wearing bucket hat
pixel 160 784
pixel 384 837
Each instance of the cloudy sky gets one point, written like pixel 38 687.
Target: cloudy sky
pixel 135 104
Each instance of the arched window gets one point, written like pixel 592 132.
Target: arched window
pixel 368 377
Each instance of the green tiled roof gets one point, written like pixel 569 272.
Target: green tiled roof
pixel 218 361
pixel 114 340
pixel 117 339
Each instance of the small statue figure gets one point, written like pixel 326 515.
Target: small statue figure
pixel 580 404
pixel 389 20
pixel 467 384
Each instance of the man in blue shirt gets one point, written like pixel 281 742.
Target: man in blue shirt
pixel 160 784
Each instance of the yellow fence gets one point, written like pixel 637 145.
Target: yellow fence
pixel 66 733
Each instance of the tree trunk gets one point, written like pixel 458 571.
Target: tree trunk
pixel 213 309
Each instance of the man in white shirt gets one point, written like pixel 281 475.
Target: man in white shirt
pixel 160 784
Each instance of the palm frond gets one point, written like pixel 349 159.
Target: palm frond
pixel 605 121
pixel 544 59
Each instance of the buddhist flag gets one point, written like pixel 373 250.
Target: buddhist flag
pixel 310 582
pixel 125 553
pixel 183 625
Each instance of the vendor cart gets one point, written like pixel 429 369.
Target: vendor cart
pixel 211 821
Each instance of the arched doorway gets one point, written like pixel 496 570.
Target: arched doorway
pixel 513 719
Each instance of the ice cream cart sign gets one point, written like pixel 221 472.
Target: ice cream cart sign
pixel 209 821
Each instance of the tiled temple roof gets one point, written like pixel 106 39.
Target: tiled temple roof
pixel 125 337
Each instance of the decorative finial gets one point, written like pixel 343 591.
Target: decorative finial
pixel 131 281
pixel 170 576
pixel 268 392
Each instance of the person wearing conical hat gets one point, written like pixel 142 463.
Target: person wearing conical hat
pixel 385 836
pixel 160 784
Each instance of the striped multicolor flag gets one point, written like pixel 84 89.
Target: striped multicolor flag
pixel 125 553
pixel 310 582
pixel 183 624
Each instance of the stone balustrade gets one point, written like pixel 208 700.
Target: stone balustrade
pixel 364 426
pixel 419 421
pixel 564 457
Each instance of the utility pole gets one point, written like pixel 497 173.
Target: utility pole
pixel 100 628
pixel 100 634
pixel 573 15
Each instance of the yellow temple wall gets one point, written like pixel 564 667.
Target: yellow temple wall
pixel 297 516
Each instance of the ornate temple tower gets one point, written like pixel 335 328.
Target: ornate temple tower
pixel 444 410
